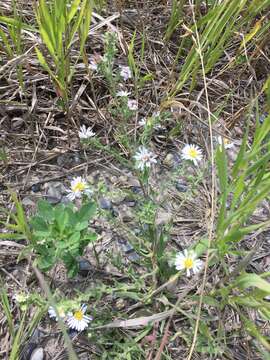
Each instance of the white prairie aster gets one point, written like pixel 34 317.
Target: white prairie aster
pixel 192 152
pixel 187 261
pixel 144 158
pixel 142 122
pixel 226 142
pixel 78 186
pixel 93 65
pixel 53 315
pixel 85 133
pixel 132 105
pixel 78 320
pixel 125 72
pixel 122 93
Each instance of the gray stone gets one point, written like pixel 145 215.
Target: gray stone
pixel 126 214
pixel 169 160
pixel 37 354
pixel 54 192
pixel 105 204
pixel 163 217
pixel 117 197
pixel 181 186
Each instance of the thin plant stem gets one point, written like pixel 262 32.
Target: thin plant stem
pixel 213 189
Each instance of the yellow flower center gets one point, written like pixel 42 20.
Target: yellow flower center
pixel 78 315
pixel 188 263
pixel 78 187
pixel 193 153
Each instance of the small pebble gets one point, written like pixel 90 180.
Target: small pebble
pixel 115 212
pixel 130 203
pixel 113 179
pixel 136 189
pixel 169 160
pixel 118 197
pixel 181 187
pixel 263 117
pixel 126 214
pixel 36 187
pixel 91 179
pixel 55 191
pixel 72 333
pixel 37 354
pixel 84 267
pixel 2 187
pixel 28 202
pixel 105 204
pixel 123 179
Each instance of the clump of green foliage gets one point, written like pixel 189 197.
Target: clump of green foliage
pixel 61 233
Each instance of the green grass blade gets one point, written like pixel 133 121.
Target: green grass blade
pixel 6 309
pixel 73 10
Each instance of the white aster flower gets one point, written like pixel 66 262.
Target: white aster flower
pixel 226 142
pixel 78 320
pixel 187 261
pixel 85 133
pixel 144 158
pixel 132 105
pixel 192 152
pixel 122 93
pixel 125 72
pixel 78 186
pixel 53 315
pixel 142 122
pixel 93 65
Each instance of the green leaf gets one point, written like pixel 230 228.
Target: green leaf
pixel 201 247
pixel 90 237
pixel 77 23
pixel 86 212
pixel 38 224
pixel 13 236
pixel 45 263
pixel 43 62
pixel 8 48
pixel 61 217
pixel 74 7
pixel 74 239
pixel 46 22
pixel 71 264
pixel 85 26
pixel 221 160
pixel 81 226
pixel 16 23
pixel 253 330
pixel 48 43
pixel 252 280
pixel 45 209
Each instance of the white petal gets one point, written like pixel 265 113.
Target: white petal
pixel 71 196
